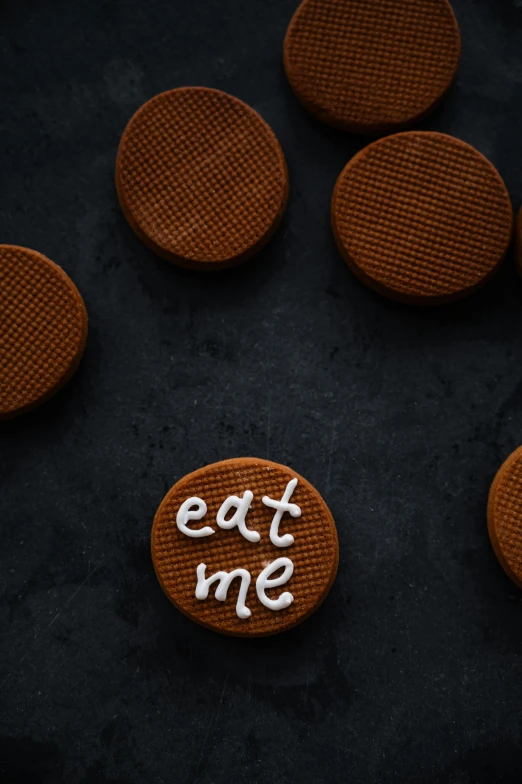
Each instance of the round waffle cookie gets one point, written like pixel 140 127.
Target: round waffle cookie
pixel 43 329
pixel 372 66
pixel 245 547
pixel 421 217
pixel 201 178
pixel 505 516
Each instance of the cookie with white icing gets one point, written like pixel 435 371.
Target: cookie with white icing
pixel 245 547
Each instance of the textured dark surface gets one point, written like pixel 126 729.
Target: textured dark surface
pixel 412 669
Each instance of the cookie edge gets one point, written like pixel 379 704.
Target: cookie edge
pixel 518 241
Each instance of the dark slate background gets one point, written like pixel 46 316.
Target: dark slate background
pixel 412 669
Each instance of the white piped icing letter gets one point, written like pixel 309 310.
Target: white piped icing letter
pixel 224 579
pixel 263 582
pixel 242 506
pixel 185 514
pixel 282 506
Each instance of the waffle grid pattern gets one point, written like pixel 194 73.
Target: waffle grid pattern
pixel 372 64
pixel 507 520
pixel 422 214
pixel 314 552
pixel 202 175
pixel 43 327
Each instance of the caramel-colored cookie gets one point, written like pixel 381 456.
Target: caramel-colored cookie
pixel 201 178
pixel 505 516
pixel 245 547
pixel 421 217
pixel 518 240
pixel 43 329
pixel 372 66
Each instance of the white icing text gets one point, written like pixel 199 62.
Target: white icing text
pixel 187 512
pixel 263 582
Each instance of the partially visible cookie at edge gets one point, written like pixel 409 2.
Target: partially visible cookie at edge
pixel 372 66
pixel 505 516
pixel 245 547
pixel 43 329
